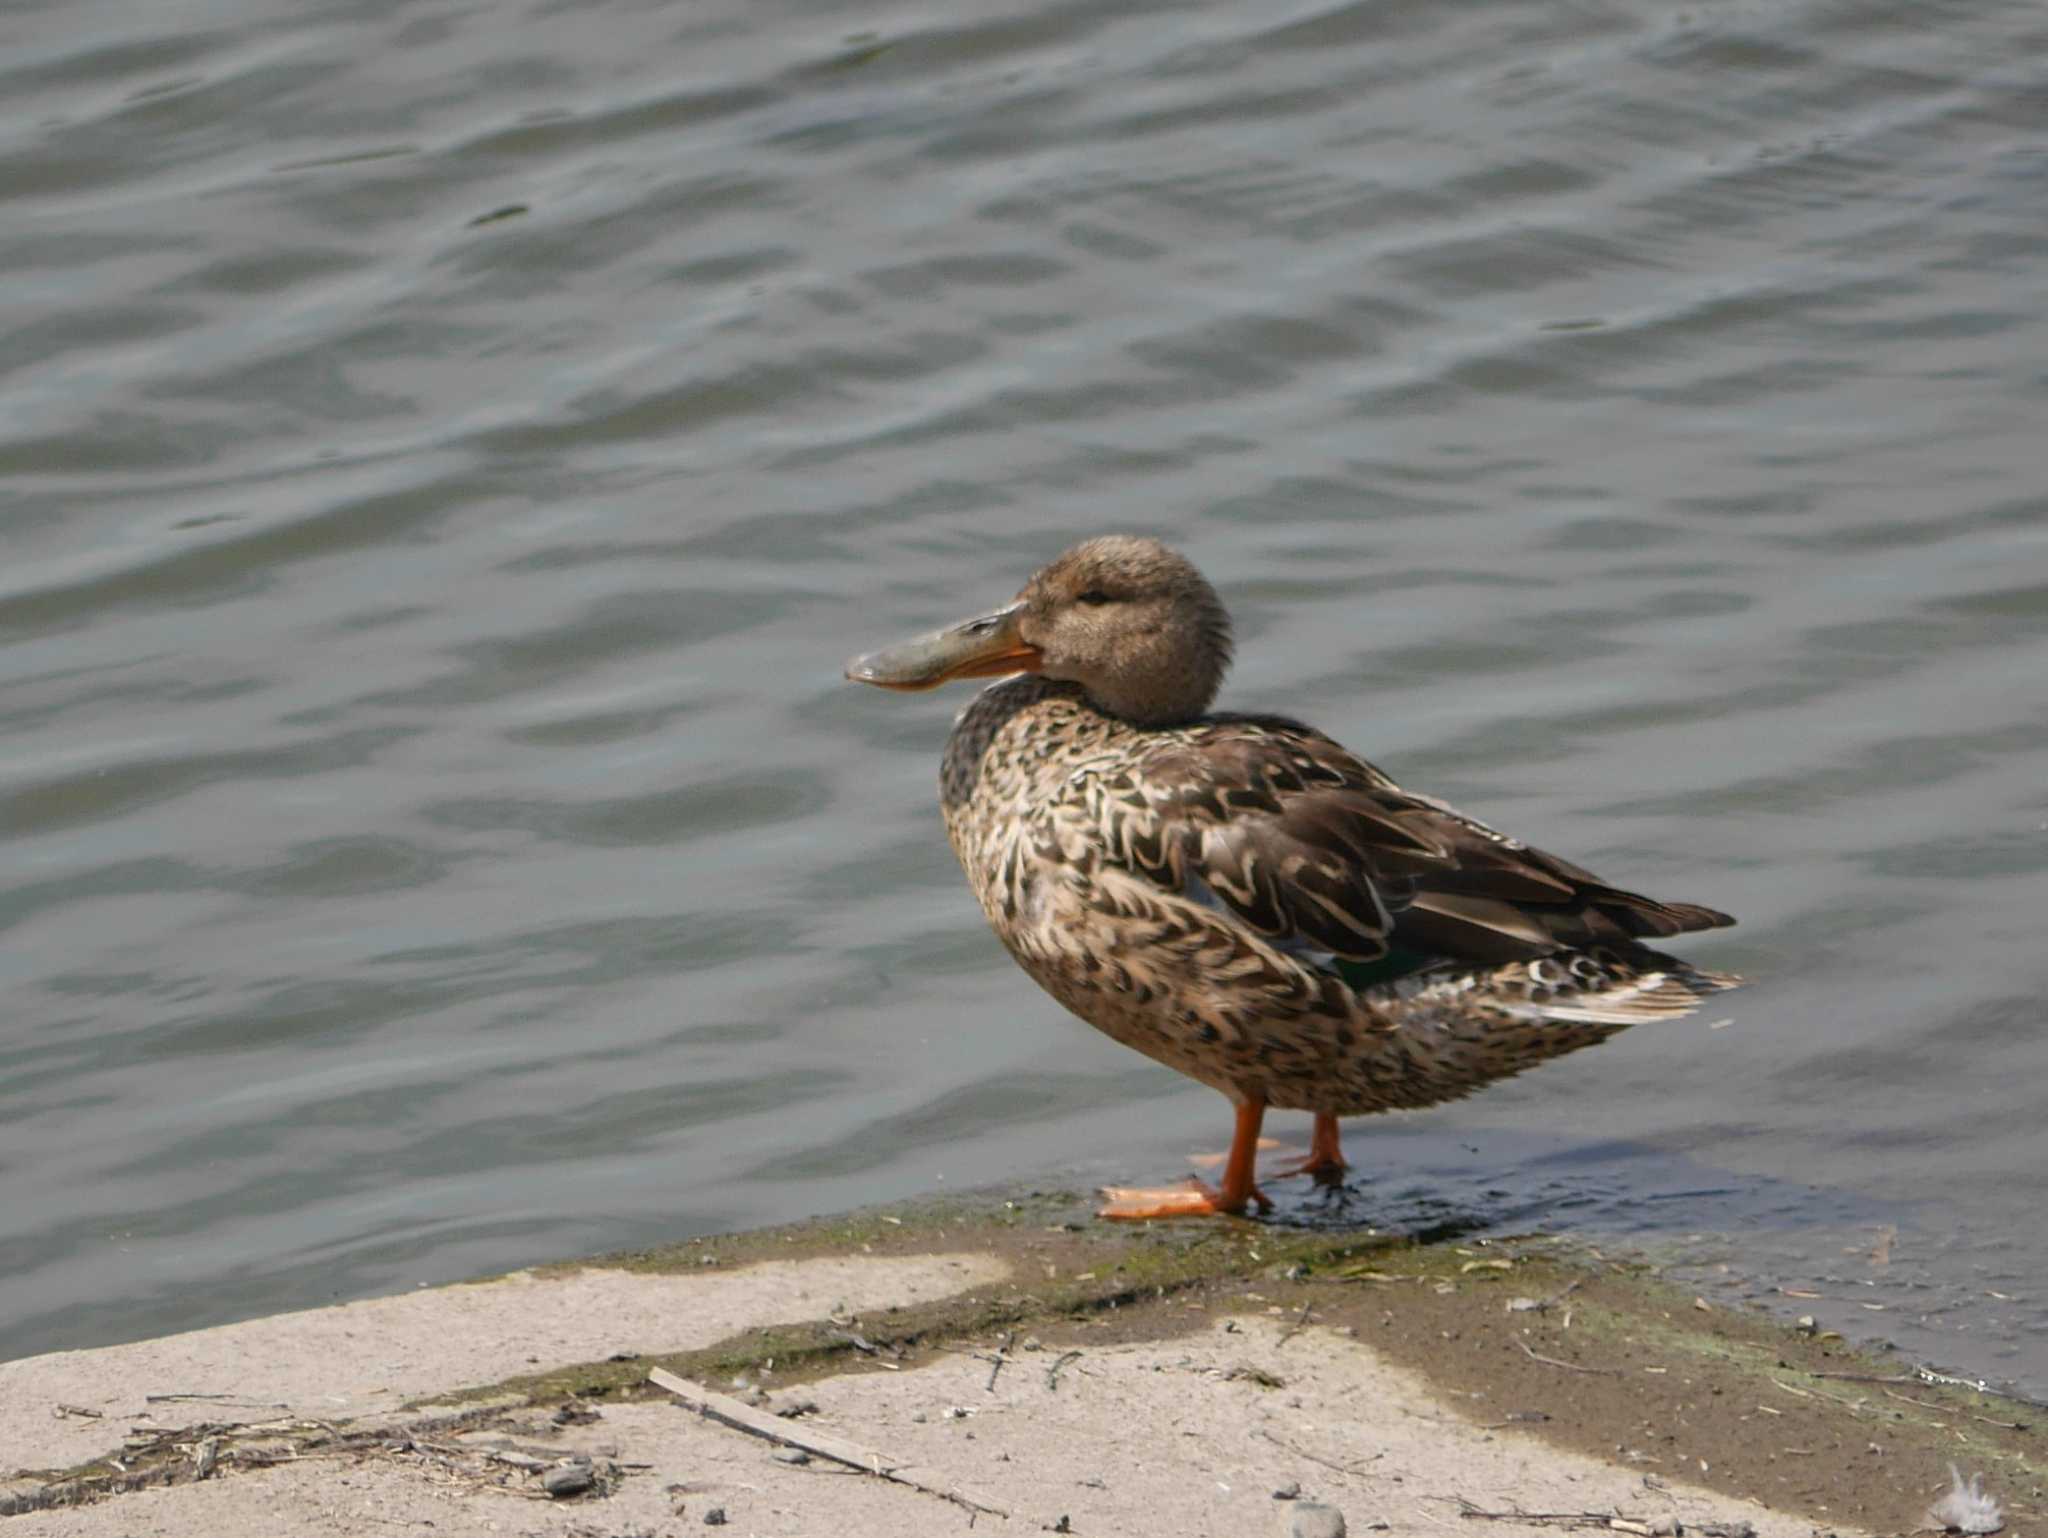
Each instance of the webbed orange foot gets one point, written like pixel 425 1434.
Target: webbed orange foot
pixel 1197 1199
pixel 1236 1192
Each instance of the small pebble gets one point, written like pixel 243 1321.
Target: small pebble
pixel 715 1517
pixel 792 1455
pixel 1667 1527
pixel 566 1479
pixel 1291 1491
pixel 1312 1519
pixel 919 1417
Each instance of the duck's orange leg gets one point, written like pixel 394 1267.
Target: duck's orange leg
pixel 1178 1202
pixel 1325 1158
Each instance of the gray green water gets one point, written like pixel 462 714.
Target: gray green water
pixel 436 836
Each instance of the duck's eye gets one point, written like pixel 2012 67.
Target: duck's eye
pixel 1095 595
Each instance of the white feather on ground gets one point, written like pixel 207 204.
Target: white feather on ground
pixel 1966 1508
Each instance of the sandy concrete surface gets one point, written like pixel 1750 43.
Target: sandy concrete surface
pixel 341 1362
pixel 1185 1436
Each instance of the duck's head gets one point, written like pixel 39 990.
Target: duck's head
pixel 1130 621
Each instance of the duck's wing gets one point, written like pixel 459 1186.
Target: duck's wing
pixel 1316 850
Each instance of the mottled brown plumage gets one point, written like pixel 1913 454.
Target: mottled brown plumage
pixel 1238 896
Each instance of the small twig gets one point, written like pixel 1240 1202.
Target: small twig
pixel 1866 1377
pixel 1052 1373
pixel 63 1410
pixel 1853 1406
pixel 2001 1425
pixel 1943 1409
pixel 1252 1374
pixel 1555 1518
pixel 1303 1452
pixel 997 1360
pixel 234 1400
pixel 744 1417
pixel 1551 1361
pixel 1300 1324
pixel 1537 1306
pixel 1925 1404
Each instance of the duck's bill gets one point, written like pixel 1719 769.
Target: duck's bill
pixel 988 647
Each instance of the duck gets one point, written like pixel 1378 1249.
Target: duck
pixel 1244 900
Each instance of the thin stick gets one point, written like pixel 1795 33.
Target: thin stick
pixel 997 1361
pixel 1943 1409
pixel 1052 1373
pixel 1866 1377
pixel 1565 1518
pixel 231 1401
pixel 1551 1361
pixel 1294 1329
pixel 744 1417
pixel 1303 1452
pixel 1537 1306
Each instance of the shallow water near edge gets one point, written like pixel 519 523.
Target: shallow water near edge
pixel 447 456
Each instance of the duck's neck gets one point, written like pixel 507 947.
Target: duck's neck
pixel 1060 716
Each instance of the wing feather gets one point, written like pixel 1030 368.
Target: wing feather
pixel 1315 849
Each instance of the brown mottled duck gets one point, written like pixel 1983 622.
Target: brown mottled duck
pixel 1240 898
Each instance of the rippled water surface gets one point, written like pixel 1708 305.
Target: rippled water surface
pixel 447 452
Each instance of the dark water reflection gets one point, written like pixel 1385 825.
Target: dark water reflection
pixel 437 837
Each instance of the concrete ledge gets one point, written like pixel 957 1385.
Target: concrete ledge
pixel 1168 1379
